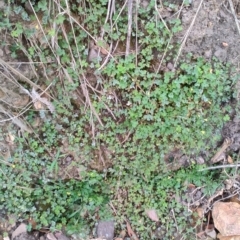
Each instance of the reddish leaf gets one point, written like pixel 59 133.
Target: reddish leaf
pixel 131 233
pixel 152 214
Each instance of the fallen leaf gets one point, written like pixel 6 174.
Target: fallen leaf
pixel 104 47
pixel 200 212
pixel 38 105
pixel 152 214
pixel 33 223
pixel 122 234
pixel 191 186
pixel 225 44
pixel 229 159
pixel 37 100
pixel 10 138
pixel 131 233
pixel 201 234
pixel 234 199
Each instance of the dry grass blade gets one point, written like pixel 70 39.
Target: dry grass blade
pixel 187 33
pixel 131 233
pixel 22 77
pixel 15 120
pixel 41 27
pixel 160 16
pixel 120 12
pixel 128 43
pixel 86 94
pixel 36 97
pixel 234 15
pixel 219 167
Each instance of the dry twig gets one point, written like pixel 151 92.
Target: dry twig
pixel 188 32
pixel 128 43
pixel 234 15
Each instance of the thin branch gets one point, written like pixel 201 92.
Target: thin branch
pixel 219 167
pixel 188 32
pixel 160 16
pixel 23 78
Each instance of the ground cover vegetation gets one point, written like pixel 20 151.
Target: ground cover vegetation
pixel 117 114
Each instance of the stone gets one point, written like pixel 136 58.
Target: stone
pixel 24 236
pixel 226 217
pixel 211 233
pixel 105 230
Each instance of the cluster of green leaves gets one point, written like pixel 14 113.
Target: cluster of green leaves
pixel 179 108
pixel 28 191
pixel 152 112
pixel 161 192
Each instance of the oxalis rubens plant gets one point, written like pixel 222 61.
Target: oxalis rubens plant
pixel 116 117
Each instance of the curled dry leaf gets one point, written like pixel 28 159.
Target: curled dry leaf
pixel 152 214
pixel 38 105
pixel 38 100
pixel 122 234
pixel 104 47
pixel 131 233
pixel 10 138
pixel 200 212
pixel 225 44
pixel 229 159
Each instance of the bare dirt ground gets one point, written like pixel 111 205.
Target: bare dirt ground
pixel 213 31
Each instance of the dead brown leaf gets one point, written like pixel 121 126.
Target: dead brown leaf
pixel 234 199
pixel 152 214
pixel 201 234
pixel 131 233
pixel 33 223
pixel 38 101
pixel 191 186
pixel 229 159
pixel 225 44
pixel 200 212
pixel 10 138
pixel 104 47
pixel 122 234
pixel 38 105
